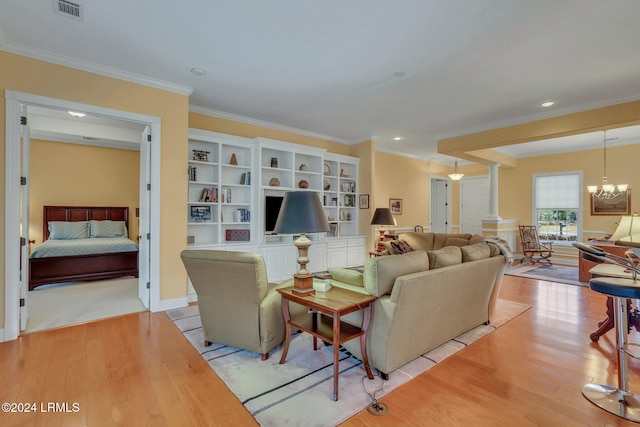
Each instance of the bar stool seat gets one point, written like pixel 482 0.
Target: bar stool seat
pixel 617 400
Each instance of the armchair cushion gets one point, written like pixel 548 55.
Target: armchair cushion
pixel 346 275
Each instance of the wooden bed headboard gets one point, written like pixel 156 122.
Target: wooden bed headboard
pixel 82 213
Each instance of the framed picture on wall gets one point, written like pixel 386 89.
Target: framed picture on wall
pixel 619 205
pixel 364 201
pixel 396 206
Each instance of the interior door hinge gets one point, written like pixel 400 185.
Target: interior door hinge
pixel 149 187
pixel 23 180
pixel 149 137
pixel 23 120
pixel 22 302
pixel 148 236
pixel 23 241
pixel 148 285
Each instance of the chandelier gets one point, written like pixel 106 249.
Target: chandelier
pixel 456 176
pixel 606 191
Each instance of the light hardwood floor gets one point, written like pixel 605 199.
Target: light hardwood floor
pixel 138 370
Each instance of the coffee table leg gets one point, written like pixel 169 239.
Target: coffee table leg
pixel 336 354
pixel 363 340
pixel 287 328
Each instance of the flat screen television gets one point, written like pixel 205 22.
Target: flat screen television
pixel 271 210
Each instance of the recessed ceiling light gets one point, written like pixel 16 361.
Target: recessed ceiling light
pixel 397 138
pixel 546 104
pixel 197 71
pixel 76 114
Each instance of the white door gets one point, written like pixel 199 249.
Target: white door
pixel 143 238
pixel 24 218
pixel 439 206
pixel 474 203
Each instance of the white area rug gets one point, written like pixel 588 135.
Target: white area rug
pixel 298 393
pixel 70 303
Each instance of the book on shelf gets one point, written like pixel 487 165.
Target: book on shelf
pixel 209 195
pixel 225 195
pixel 242 215
pixel 245 178
pixel 193 173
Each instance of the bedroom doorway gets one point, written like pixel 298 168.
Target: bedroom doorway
pixel 149 147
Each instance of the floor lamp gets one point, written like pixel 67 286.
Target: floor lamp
pixel 302 212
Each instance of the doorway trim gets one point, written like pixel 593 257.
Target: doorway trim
pixel 13 101
pixel 432 179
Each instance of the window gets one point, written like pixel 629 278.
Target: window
pixel 557 206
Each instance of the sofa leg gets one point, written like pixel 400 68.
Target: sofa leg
pixel 265 356
pixel 207 343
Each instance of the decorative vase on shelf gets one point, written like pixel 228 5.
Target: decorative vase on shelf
pixel 327 186
pixel 303 184
pixel 303 167
pixel 274 162
pixel 274 182
pixel 234 160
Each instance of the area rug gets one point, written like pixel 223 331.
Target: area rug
pixel 551 273
pixel 298 392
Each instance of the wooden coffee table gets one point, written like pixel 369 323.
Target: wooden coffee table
pixel 324 322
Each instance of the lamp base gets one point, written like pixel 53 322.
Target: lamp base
pixel 303 285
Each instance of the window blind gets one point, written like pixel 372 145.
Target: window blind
pixel 557 191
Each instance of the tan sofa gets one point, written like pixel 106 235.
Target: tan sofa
pixel 425 298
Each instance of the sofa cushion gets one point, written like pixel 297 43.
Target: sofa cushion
pixel 449 255
pixel 400 247
pixel 440 239
pixel 418 241
pixel 456 241
pixel 476 238
pixel 475 252
pixel 380 272
pixel 347 275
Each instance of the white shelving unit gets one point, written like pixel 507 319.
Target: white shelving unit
pixel 340 197
pixel 226 196
pixel 221 196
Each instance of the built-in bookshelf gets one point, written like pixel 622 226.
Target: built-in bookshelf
pixel 221 196
pixel 340 194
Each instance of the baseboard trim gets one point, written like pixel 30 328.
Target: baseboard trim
pixel 173 303
pixel 192 297
pixel 1 334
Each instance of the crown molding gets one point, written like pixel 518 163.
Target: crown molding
pixel 91 67
pixel 262 123
pixel 540 116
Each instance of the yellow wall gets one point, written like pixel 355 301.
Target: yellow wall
pixel 515 184
pixel 81 175
pixel 41 78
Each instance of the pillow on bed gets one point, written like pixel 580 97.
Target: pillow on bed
pixel 62 230
pixel 108 228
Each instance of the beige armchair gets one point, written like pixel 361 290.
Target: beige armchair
pixel 238 307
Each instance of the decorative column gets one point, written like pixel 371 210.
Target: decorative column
pixel 493 191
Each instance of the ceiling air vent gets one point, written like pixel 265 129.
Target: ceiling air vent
pixel 69 9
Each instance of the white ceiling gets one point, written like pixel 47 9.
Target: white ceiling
pixel 355 70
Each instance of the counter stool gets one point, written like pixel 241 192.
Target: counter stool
pixel 617 400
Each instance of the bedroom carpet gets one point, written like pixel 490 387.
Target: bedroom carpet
pixel 298 393
pixel 65 304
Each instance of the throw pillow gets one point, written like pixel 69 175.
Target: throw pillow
pixel 400 247
pixel 347 275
